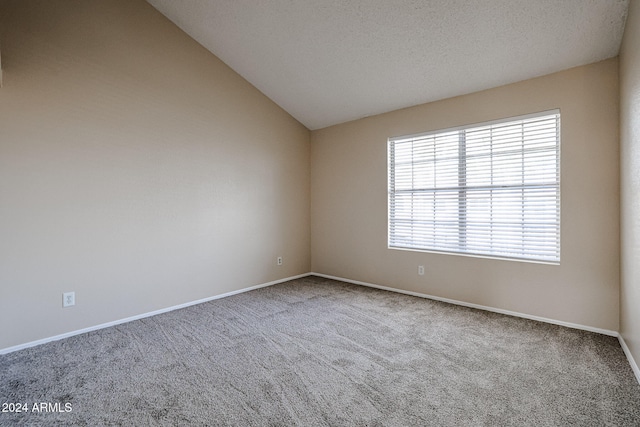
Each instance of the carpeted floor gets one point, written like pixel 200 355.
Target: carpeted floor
pixel 315 352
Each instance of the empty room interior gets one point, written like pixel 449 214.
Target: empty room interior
pixel 319 212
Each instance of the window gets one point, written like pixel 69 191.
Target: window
pixel 491 189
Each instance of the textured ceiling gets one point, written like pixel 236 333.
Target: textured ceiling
pixel 331 61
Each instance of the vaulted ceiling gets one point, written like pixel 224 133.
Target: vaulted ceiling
pixel 331 61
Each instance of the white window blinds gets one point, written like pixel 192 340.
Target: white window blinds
pixel 491 189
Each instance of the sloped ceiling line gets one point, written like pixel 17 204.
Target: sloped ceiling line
pixel 332 61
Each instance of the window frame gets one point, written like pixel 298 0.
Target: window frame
pixel 461 221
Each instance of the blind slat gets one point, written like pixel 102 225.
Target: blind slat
pixel 490 189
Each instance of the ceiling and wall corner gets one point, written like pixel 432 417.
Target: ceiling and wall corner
pixel 332 61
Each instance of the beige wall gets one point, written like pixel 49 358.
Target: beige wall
pixel 349 202
pixel 630 181
pixel 136 169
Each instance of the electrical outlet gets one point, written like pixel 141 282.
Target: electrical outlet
pixel 421 270
pixel 68 299
pixel 279 260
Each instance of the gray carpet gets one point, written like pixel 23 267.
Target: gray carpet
pixel 316 352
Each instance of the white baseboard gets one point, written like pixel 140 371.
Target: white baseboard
pixel 479 307
pixel 142 316
pixel 632 361
pixel 623 344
